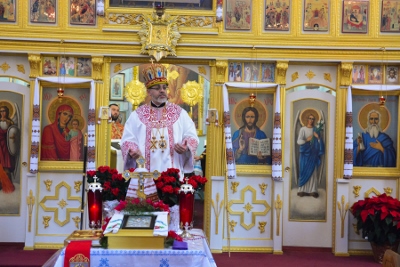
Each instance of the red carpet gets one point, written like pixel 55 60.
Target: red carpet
pixel 14 255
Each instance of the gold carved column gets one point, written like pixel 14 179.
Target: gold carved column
pixel 216 160
pixel 34 62
pixel 346 69
pixel 97 63
pixel 281 70
pixel 101 77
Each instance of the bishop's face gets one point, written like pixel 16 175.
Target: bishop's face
pixel 158 93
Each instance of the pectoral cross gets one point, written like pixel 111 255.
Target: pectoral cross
pixel 141 173
pixel 162 144
pixel 153 144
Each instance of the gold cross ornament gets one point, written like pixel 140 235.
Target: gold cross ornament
pixel 141 173
pixel 153 144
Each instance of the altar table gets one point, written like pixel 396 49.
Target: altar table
pixel 197 255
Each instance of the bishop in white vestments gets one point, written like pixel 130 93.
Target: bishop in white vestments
pixel 161 132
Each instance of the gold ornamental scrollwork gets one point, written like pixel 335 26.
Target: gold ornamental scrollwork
pixel 281 68
pixel 97 63
pixel 217 210
pixel 343 208
pixel 191 94
pixel 261 226
pixel 5 67
pixel 234 186
pixel 263 186
pixel 221 67
pixel 46 220
pixel 202 70
pixel 34 63
pixel 48 184
pixel 248 207
pixel 295 76
pixel 388 190
pixel 278 208
pixel 77 186
pixel 310 74
pixel 356 190
pixel 346 69
pixel 21 68
pixel 137 19
pixel 194 22
pixel 77 221
pixel 124 19
pixel 327 77
pixel 30 201
pixel 232 225
pixel 62 203
pixel 117 68
pixel 159 35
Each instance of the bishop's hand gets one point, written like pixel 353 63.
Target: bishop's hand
pixel 181 148
pixel 134 154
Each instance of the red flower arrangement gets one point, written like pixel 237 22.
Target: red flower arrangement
pixel 172 235
pixel 140 206
pixel 378 218
pixel 114 184
pixel 168 185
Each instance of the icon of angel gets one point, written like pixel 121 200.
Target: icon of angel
pixel 309 151
pixel 10 125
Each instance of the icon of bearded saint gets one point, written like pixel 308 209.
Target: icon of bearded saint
pixel 373 147
pixel 392 75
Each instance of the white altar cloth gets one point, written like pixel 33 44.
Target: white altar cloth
pixel 197 255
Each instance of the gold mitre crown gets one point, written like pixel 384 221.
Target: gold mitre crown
pixel 154 74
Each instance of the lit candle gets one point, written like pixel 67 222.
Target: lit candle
pixel 95 204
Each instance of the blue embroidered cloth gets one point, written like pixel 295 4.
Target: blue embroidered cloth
pixel 198 254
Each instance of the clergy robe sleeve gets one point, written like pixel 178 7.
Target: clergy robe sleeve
pixel 190 136
pixel 129 140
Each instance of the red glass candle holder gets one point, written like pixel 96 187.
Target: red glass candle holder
pixel 382 101
pixel 252 99
pixel 186 208
pixel 95 204
pixel 60 92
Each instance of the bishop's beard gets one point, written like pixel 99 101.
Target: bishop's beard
pixel 373 130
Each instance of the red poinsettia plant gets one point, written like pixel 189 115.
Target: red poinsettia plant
pixel 378 218
pixel 169 183
pixel 114 184
pixel 137 206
